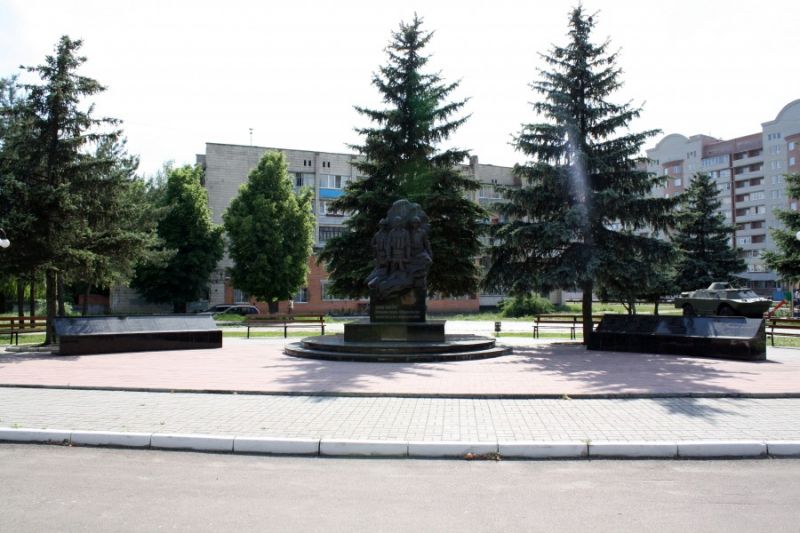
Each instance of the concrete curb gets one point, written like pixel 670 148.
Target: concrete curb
pixel 697 449
pixel 721 448
pixel 362 448
pixel 543 450
pixel 446 395
pixel 205 443
pixel 277 446
pixel 49 436
pixel 638 449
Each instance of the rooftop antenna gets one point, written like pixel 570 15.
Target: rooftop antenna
pixel 251 136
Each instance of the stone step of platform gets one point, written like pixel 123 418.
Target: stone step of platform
pixel 410 355
pixel 452 343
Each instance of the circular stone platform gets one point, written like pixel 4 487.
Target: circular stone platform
pixel 454 348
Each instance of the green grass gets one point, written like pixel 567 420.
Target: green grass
pixel 29 338
pixel 551 335
pixel 278 332
pixel 785 342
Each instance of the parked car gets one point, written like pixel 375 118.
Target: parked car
pixel 235 309
pixel 723 300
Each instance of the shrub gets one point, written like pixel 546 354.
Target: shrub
pixel 526 305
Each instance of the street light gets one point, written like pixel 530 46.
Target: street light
pixel 4 242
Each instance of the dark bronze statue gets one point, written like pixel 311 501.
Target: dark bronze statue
pixel 401 250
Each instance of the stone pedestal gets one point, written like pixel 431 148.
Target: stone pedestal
pixel 408 307
pixel 431 331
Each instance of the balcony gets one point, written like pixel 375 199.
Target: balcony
pixel 754 160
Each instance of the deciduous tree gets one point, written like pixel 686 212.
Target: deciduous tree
pixel 186 229
pixel 270 231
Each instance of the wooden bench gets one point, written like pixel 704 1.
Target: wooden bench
pixel 14 325
pixel 561 322
pixel 285 322
pixel 789 327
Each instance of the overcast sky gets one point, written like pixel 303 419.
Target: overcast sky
pixel 183 73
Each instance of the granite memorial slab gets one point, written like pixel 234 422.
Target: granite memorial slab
pixel 700 336
pixel 113 334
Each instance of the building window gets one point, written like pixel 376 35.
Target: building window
pixel 677 182
pixel 307 163
pixel 775 165
pixel 792 145
pixel 715 161
pixel 303 179
pixel 757 239
pixel 329 232
pixel 758 224
pixel 329 181
pixel 793 160
pixel 326 295
pixel 775 149
pixel 301 296
pixel 326 208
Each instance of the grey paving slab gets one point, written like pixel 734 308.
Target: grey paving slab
pixel 403 419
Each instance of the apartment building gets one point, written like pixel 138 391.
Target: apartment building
pixel 749 172
pixel 327 174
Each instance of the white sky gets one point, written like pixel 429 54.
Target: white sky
pixel 183 73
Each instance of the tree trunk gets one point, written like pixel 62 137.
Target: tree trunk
pixel 272 307
pixel 32 297
pixel 20 297
pixel 85 306
pixel 60 285
pixel 587 312
pixel 179 307
pixel 50 291
pixel 655 308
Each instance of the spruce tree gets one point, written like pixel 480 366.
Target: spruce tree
pixel 401 158
pixel 786 259
pixel 583 215
pixel 703 239
pixel 187 230
pixel 270 232
pixel 48 153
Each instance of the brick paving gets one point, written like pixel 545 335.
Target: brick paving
pixel 537 368
pixel 425 419
pixel 531 395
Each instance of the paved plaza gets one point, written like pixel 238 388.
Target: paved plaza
pixel 547 391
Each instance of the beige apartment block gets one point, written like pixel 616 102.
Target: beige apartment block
pixel 227 167
pixel 749 172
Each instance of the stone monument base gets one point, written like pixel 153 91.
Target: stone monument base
pixel 431 331
pixel 453 348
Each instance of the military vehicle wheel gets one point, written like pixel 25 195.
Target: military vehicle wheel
pixel 726 310
pixel 688 310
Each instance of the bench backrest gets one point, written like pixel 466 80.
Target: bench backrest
pixel 15 322
pixel 271 319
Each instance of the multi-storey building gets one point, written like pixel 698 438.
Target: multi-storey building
pixel 749 172
pixel 227 168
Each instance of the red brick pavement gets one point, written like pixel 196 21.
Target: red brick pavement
pixel 259 365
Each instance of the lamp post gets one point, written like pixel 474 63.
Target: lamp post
pixel 4 242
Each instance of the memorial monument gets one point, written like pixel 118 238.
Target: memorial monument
pixel 397 329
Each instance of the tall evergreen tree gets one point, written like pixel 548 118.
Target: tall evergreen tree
pixel 786 259
pixel 186 229
pixel 48 153
pixel 120 230
pixel 583 212
pixel 401 158
pixel 270 231
pixel 703 239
